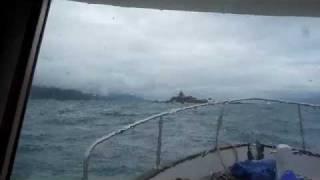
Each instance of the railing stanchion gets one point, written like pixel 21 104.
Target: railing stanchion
pixel 160 122
pixel 301 127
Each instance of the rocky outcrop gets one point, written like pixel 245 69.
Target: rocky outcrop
pixel 181 98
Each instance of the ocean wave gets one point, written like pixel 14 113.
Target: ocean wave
pixel 35 136
pixel 57 140
pixel 71 120
pixel 118 113
pixel 24 148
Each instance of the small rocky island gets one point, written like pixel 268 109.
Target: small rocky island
pixel 181 98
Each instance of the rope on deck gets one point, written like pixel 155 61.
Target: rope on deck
pixel 219 124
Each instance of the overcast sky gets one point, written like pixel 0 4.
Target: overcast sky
pixel 151 53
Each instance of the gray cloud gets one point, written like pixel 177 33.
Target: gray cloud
pixel 152 53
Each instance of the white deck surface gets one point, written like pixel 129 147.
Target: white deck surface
pixel 201 167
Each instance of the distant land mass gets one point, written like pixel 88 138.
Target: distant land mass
pixel 306 97
pixel 41 92
pixel 315 99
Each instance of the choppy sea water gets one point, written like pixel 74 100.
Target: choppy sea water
pixel 56 134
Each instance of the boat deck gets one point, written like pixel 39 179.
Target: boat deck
pixel 200 167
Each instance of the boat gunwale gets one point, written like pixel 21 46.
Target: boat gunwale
pixel 154 172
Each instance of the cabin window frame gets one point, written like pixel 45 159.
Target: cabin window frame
pixel 23 24
pixel 21 30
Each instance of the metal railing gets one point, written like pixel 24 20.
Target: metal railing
pixel 173 111
pixel 159 144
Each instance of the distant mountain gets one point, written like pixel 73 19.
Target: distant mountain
pixel 122 97
pixel 311 97
pixel 40 92
pixel 313 100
